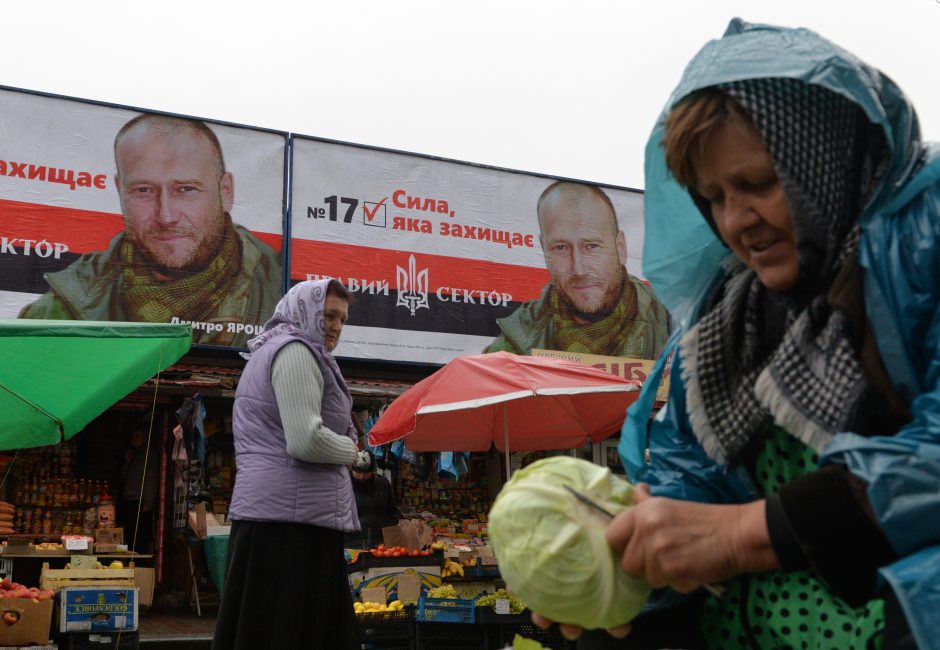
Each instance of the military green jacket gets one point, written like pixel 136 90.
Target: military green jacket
pixel 91 288
pixel 530 326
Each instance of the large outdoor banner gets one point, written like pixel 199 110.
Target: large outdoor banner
pixel 107 213
pixel 446 258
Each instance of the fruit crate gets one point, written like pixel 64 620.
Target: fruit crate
pixel 57 579
pixel 446 610
pixel 480 570
pixel 387 629
pixel 446 636
pixel 366 560
pixel 500 636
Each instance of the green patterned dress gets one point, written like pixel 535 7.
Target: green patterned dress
pixel 788 609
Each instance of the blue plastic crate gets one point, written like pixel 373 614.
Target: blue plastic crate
pixel 446 610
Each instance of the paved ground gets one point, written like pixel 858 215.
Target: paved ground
pixel 176 631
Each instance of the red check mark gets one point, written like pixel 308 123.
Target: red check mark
pixel 370 214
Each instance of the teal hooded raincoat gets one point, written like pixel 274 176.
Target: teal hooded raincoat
pixel 900 254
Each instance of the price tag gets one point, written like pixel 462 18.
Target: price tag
pixel 76 544
pixel 502 606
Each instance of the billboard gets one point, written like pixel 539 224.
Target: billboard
pixel 188 229
pixel 446 258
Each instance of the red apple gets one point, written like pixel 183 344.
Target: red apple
pixel 10 617
pixel 5 583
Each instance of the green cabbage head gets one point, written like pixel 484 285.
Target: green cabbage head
pixel 551 548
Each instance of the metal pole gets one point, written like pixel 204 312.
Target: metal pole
pixel 506 435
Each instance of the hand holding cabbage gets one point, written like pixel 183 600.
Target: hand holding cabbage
pixel 551 547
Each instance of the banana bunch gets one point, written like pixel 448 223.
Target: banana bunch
pixel 451 568
pixel 369 608
pixel 439 546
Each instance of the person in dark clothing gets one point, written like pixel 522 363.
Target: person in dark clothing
pixel 140 474
pixel 374 501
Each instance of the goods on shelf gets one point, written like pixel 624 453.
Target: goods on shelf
pixel 451 568
pixel 49 498
pixel 7 516
pixel 59 492
pixel 221 474
pixel 467 495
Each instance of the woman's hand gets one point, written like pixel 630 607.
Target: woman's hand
pixel 684 545
pixel 572 632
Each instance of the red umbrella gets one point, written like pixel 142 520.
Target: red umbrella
pixel 518 403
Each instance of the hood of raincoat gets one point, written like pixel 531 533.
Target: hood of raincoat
pixel 681 254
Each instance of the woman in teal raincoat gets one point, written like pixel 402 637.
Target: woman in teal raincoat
pixel 793 230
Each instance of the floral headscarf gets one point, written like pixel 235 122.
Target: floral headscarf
pixel 299 312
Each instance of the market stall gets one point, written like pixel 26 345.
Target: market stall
pixel 56 377
pixel 476 403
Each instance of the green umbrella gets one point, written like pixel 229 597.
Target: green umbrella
pixel 57 376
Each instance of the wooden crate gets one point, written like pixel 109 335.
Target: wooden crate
pixel 56 579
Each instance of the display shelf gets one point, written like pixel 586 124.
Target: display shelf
pixel 45 555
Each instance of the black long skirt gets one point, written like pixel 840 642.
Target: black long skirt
pixel 285 587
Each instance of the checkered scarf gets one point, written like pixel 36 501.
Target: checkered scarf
pixel 759 357
pixel 608 336
pixel 191 297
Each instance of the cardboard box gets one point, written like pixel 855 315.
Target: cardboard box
pixel 197 520
pixel 201 522
pixel 410 533
pixel 110 548
pixel 144 579
pixel 109 535
pixel 33 621
pixel 88 609
pixel 213 531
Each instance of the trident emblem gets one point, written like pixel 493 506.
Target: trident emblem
pixel 412 287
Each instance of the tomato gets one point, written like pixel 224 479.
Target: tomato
pixel 380 547
pixel 414 553
pixel 397 553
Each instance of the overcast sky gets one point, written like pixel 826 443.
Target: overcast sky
pixel 562 88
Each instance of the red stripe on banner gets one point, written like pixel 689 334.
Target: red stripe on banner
pixel 82 230
pixel 271 239
pixel 366 264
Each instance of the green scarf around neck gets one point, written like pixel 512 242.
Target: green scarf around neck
pixel 194 297
pixel 607 336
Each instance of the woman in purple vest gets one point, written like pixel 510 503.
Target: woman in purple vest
pixel 285 579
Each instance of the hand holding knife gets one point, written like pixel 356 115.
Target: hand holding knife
pixel 716 590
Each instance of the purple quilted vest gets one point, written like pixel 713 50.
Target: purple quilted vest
pixel 270 485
